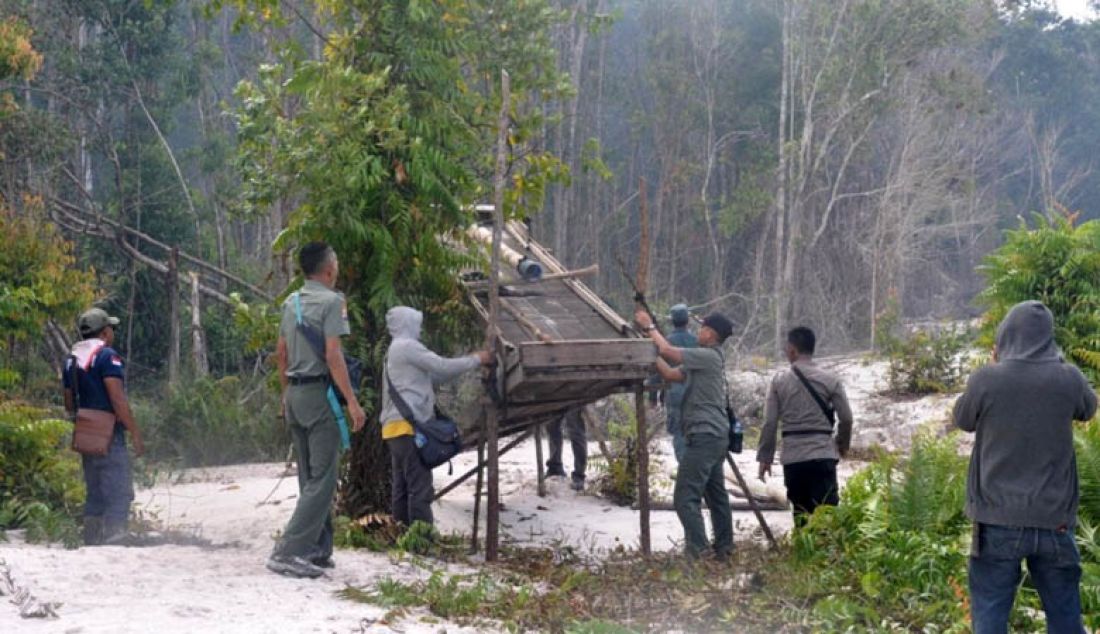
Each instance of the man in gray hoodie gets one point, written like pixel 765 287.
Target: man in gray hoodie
pixel 1022 486
pixel 414 371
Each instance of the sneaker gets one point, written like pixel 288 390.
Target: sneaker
pixel 578 483
pixel 322 561
pixel 555 472
pixel 293 567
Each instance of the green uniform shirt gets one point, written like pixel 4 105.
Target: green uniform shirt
pixel 704 406
pixel 325 310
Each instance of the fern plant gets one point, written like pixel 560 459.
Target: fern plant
pixel 1058 263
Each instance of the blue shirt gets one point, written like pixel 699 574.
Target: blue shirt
pixel 92 391
pixel 680 338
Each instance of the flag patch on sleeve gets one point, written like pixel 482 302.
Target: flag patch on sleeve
pixel 116 360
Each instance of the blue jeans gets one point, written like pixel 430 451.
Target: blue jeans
pixel 109 482
pixel 1053 563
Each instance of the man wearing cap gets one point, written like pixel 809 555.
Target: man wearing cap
pixel 311 413
pixel 810 450
pixel 680 337
pixel 706 432
pixel 100 385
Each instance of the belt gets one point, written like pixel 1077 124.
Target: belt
pixel 808 432
pixel 306 380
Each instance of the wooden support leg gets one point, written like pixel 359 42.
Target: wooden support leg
pixel 492 526
pixel 643 470
pixel 752 502
pixel 541 468
pixel 477 494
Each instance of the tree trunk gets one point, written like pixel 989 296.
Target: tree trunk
pixel 198 338
pixel 171 284
pixel 781 178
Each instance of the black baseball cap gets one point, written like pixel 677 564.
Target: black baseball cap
pixel 720 324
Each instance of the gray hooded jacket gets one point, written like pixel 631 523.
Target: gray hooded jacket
pixel 1023 470
pixel 413 369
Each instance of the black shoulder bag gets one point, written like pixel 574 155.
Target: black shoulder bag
pixel 437 439
pixel 829 412
pixel 737 431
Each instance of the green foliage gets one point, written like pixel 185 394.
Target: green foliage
pixel 41 488
pixel 206 422
pixel 17 56
pixel 39 279
pixel 1087 444
pixel 892 555
pixel 619 480
pixel 351 534
pixel 924 361
pixel 419 539
pixel 1058 264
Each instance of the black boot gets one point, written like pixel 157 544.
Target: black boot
pixel 93 531
pixel 116 533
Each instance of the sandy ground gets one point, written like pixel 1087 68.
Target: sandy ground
pixel 224 587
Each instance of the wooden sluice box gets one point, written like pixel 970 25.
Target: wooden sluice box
pixel 563 345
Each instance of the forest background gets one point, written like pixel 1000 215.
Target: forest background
pixel 819 162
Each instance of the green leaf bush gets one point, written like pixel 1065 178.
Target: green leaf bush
pixel 892 556
pixel 1057 263
pixel 208 421
pixel 41 487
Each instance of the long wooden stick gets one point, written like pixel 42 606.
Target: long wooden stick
pixel 752 502
pixel 481 462
pixel 492 529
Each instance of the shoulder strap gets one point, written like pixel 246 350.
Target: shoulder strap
pixel 395 396
pixel 315 339
pixel 74 380
pixel 829 412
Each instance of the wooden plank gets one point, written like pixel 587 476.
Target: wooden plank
pixel 589 352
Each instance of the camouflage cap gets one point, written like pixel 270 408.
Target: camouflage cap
pixel 93 320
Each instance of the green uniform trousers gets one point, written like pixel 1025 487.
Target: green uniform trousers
pixel 317 444
pixel 701 475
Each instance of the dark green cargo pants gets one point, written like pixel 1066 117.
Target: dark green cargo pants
pixel 700 475
pixel 317 445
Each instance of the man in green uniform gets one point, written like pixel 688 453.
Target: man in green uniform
pixel 706 432
pixel 311 412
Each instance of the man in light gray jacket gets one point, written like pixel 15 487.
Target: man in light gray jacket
pixel 1021 491
pixel 414 371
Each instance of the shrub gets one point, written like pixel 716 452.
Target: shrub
pixel 1058 264
pixel 41 488
pixel 923 361
pixel 1087 442
pixel 893 554
pixel 207 422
